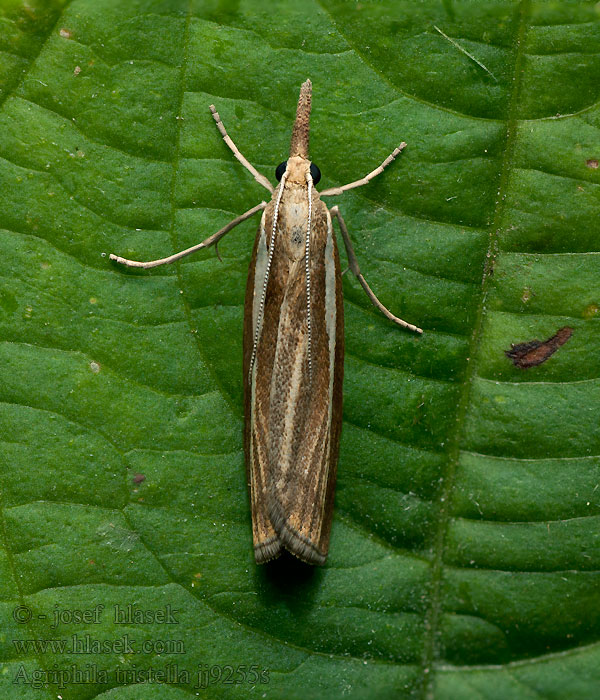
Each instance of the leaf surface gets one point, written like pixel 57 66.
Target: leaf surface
pixel 465 553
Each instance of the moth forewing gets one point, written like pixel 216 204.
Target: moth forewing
pixel 294 385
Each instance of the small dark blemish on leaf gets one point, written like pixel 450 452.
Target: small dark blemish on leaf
pixel 138 478
pixel 592 163
pixel 534 352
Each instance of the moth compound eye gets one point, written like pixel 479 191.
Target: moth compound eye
pixel 315 173
pixel 280 170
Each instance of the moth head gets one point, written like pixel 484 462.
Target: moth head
pixel 297 169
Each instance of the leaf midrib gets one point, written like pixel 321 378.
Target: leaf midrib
pixel 433 614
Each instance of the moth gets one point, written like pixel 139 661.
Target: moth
pixel 293 355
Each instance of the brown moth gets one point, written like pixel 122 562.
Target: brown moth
pixel 293 349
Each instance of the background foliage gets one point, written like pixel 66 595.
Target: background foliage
pixel 465 554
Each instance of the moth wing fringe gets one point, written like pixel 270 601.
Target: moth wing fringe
pixel 267 550
pixel 299 545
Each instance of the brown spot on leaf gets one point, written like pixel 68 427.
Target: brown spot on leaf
pixel 138 478
pixel 534 352
pixel 592 163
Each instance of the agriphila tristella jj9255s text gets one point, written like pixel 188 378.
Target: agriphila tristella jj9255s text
pixel 293 349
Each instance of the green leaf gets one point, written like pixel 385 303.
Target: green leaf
pixel 465 554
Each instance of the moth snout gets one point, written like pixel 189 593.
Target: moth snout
pixel 301 130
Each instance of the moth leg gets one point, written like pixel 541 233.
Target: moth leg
pixel 353 264
pixel 214 239
pixel 261 179
pixel 366 178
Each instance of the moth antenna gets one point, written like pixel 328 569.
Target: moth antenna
pixel 301 130
pixel 307 265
